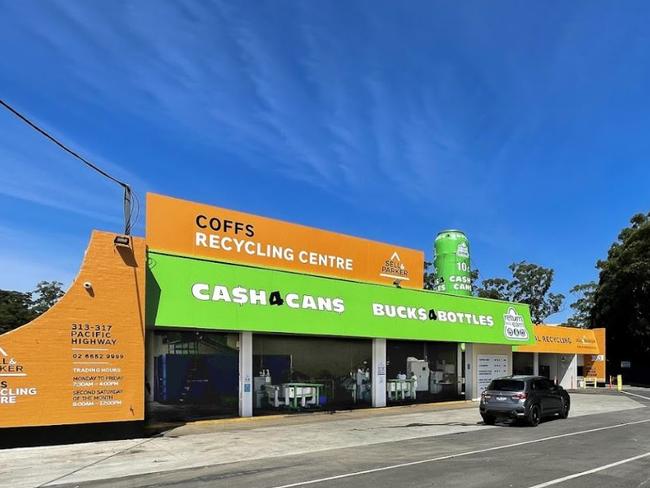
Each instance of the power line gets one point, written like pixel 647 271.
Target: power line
pixel 128 202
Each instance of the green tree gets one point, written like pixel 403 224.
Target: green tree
pixel 496 288
pixel 47 293
pixel 474 276
pixel 430 279
pixel 583 305
pixel 622 298
pixel 531 284
pixel 15 309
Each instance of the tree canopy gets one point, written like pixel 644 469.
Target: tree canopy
pixel 622 297
pixel 530 284
pixel 47 294
pixel 17 308
pixel 495 288
pixel 583 305
pixel 430 279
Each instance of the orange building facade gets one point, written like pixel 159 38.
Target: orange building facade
pixel 82 361
pixel 99 355
pixel 567 355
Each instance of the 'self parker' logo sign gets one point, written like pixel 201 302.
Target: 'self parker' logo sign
pixel 394 268
pixel 9 370
pixel 9 367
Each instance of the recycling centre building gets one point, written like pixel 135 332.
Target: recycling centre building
pixel 221 313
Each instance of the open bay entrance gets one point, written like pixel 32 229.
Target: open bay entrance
pixel 196 375
pixel 422 372
pixel 302 373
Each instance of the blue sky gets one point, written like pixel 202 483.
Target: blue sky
pixel 525 124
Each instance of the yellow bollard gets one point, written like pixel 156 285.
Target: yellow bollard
pixel 619 382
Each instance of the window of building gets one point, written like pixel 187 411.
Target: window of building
pixel 302 373
pixel 420 372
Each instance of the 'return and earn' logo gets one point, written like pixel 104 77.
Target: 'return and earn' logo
pixel 394 268
pixel 462 251
pixel 513 326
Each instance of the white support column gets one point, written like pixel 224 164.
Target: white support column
pixel 245 374
pixel 469 371
pixel 574 371
pixel 459 369
pixel 379 372
pixel 536 363
pixel 567 371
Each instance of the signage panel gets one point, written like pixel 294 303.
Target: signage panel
pixel 563 340
pixel 193 229
pixel 490 367
pixel 82 361
pixel 595 364
pixel 186 292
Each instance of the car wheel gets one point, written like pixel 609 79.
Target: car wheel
pixel 534 416
pixel 564 409
pixel 488 419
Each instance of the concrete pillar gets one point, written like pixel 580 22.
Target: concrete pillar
pixel 469 371
pixel 378 372
pixel 573 372
pixel 567 370
pixel 553 360
pixel 536 363
pixel 459 369
pixel 245 374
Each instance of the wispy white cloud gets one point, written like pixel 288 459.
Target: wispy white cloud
pixel 271 86
pixel 452 113
pixel 34 170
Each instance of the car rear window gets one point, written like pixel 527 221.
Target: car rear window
pixel 506 385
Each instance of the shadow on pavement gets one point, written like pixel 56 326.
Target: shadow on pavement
pixel 75 434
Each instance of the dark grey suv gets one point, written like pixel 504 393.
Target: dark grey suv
pixel 527 398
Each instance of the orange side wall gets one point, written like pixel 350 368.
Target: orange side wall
pixel 595 364
pixel 52 373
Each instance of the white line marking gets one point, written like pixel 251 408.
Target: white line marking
pixel 13 374
pixel 591 471
pixel 452 456
pixel 2 351
pixel 634 394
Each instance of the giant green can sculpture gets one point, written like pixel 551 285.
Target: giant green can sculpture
pixel 452 263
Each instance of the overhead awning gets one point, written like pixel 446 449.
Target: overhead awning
pixel 565 340
pixel 200 294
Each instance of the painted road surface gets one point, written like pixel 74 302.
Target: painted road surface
pixel 606 443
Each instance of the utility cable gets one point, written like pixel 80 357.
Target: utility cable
pixel 128 202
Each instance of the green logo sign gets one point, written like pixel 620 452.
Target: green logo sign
pixel 186 292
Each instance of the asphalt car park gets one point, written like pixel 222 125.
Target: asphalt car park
pixel 588 449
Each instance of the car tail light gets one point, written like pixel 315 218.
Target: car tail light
pixel 519 396
pixel 486 396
